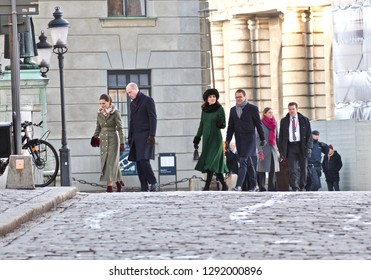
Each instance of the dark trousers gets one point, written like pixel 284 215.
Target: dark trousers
pixel 314 177
pixel 333 186
pixel 145 174
pixel 246 167
pixel 271 178
pixel 297 164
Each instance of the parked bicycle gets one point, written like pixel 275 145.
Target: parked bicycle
pixel 44 156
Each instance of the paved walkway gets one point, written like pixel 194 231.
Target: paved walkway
pixel 20 206
pixel 188 225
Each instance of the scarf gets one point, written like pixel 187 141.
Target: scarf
pixel 106 112
pixel 239 108
pixel 135 103
pixel 211 108
pixel 271 124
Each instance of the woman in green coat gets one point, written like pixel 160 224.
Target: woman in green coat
pixel 212 157
pixel 109 131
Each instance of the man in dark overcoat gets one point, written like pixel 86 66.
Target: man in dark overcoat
pixel 142 132
pixel 243 120
pixel 295 145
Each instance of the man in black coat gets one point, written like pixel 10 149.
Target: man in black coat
pixel 142 132
pixel 295 145
pixel 243 120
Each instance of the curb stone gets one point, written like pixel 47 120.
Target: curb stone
pixel 16 216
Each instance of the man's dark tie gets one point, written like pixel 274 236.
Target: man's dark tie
pixel 293 129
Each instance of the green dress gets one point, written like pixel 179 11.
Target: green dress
pixel 212 155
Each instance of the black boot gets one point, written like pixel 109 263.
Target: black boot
pixel 208 180
pixel 222 181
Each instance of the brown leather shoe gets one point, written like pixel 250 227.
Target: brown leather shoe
pixel 109 189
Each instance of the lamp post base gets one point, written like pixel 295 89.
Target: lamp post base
pixel 65 160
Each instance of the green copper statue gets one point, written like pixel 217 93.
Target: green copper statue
pixel 27 45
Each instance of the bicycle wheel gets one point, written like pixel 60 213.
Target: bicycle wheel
pixel 45 160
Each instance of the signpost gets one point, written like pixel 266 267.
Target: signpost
pixel 11 9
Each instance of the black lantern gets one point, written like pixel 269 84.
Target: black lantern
pixel 44 50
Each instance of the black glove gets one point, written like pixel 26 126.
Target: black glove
pixel 196 141
pixel 151 140
pixel 122 148
pixel 263 142
pixel 220 124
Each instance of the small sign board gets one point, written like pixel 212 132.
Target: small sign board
pixel 167 164
pixel 23 7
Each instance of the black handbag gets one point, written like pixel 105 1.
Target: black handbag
pixel 196 156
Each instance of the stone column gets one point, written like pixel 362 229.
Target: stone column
pixel 218 57
pixel 239 58
pixel 275 43
pixel 294 87
pixel 328 77
pixel 307 18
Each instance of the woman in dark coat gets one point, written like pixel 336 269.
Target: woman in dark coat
pixel 331 166
pixel 212 157
pixel 109 131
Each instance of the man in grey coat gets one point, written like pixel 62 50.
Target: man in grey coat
pixel 142 132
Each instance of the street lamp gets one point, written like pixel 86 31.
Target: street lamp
pixel 44 50
pixel 59 32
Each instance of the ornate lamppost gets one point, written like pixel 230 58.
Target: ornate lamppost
pixel 59 32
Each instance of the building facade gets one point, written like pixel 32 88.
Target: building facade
pixel 280 51
pixel 156 44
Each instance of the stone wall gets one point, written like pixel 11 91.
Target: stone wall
pixel 351 139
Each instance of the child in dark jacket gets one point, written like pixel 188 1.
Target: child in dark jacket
pixel 331 166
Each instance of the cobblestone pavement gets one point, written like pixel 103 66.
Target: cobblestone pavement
pixel 199 225
pixel 19 206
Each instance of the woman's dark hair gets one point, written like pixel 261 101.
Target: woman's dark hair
pixel 207 93
pixel 106 97
pixel 266 109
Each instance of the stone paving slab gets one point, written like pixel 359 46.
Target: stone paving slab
pixel 200 226
pixel 20 206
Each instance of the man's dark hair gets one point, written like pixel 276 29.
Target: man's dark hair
pixel 293 104
pixel 242 91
